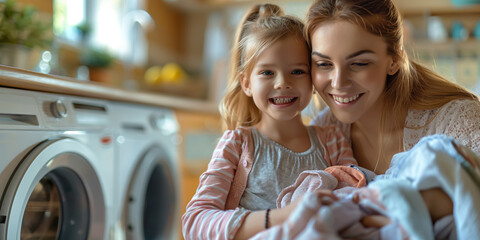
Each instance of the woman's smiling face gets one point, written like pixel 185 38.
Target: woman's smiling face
pixel 349 69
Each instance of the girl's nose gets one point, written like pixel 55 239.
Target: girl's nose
pixel 282 82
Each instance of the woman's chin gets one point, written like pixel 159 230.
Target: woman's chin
pixel 344 117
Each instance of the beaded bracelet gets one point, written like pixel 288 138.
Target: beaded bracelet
pixel 267 213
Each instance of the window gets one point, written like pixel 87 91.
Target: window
pixel 116 25
pixel 67 15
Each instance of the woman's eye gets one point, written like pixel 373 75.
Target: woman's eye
pixel 360 64
pixel 324 65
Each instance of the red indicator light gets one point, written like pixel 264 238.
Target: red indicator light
pixel 106 140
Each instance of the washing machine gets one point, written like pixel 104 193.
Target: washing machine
pixel 147 189
pixel 56 168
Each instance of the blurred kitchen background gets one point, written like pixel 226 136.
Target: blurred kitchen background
pixel 181 48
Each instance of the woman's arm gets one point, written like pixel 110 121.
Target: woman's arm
pixel 438 203
pixel 459 119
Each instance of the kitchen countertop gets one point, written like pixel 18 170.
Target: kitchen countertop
pixel 24 79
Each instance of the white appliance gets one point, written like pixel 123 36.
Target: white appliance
pixel 56 167
pixel 147 183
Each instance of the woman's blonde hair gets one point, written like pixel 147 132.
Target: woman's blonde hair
pixel 261 26
pixel 413 86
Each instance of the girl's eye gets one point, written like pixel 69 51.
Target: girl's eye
pixel 266 72
pixel 298 72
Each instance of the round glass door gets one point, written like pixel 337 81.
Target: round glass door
pixel 158 211
pixel 152 198
pixel 41 219
pixel 55 194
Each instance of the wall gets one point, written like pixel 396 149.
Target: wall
pixel 166 41
pixel 45 6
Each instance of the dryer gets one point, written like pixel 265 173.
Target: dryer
pixel 56 169
pixel 147 182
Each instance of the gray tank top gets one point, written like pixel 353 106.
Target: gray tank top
pixel 276 167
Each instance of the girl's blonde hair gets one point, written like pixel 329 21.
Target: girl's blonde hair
pixel 413 86
pixel 261 26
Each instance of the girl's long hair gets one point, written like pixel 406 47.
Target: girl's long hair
pixel 261 26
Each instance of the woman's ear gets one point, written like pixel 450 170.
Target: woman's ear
pixel 393 68
pixel 245 85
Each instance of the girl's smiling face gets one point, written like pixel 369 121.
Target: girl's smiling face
pixel 349 69
pixel 280 81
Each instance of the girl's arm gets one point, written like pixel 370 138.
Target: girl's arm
pixel 338 150
pixel 206 216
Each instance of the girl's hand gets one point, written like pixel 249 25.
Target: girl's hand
pixel 326 197
pixel 254 222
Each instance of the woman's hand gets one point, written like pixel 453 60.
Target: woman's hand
pixel 375 221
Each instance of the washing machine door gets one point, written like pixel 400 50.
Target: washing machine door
pixel 54 194
pixel 150 207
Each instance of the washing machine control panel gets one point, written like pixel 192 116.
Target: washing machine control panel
pixel 164 122
pixel 58 108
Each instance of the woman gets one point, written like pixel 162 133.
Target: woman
pixel 383 101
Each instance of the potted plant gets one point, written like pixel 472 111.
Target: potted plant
pixel 97 60
pixel 84 29
pixel 21 30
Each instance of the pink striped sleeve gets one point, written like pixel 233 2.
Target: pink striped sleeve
pixel 338 150
pixel 206 216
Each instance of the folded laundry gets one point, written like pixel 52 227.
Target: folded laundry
pixel 435 161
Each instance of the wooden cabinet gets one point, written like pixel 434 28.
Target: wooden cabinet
pixel 440 36
pixel 199 133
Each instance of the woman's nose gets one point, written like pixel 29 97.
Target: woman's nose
pixel 340 79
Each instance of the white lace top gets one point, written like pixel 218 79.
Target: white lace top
pixel 459 119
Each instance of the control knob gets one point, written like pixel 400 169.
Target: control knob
pixel 58 108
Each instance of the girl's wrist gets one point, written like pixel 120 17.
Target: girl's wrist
pixel 277 216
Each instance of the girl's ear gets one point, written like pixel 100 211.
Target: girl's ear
pixel 393 68
pixel 245 85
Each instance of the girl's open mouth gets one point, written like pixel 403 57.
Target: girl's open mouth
pixel 282 100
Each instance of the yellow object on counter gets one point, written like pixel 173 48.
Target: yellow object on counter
pixel 153 75
pixel 171 73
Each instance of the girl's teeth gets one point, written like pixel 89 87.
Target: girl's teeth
pixel 346 100
pixel 282 100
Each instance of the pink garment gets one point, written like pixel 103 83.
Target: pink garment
pixel 457 119
pixel 313 220
pixel 331 178
pixel 213 212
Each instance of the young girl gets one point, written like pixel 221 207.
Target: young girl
pixel 266 145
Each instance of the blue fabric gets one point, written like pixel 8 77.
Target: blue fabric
pixel 404 203
pixel 435 162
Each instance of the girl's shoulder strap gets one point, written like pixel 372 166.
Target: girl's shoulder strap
pixel 244 165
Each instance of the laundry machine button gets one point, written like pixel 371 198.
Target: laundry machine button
pixel 58 108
